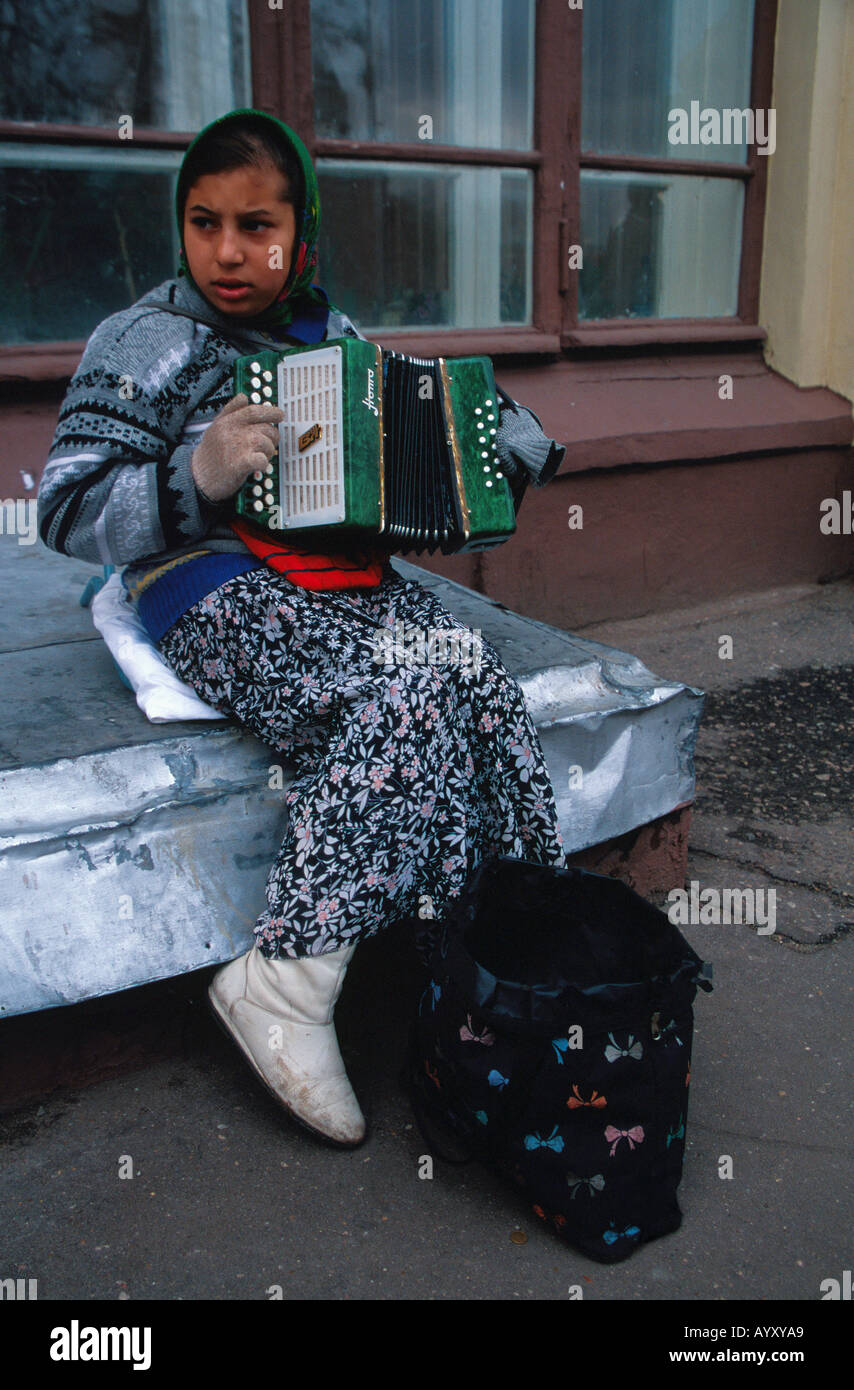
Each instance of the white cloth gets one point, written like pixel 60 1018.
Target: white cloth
pixel 161 696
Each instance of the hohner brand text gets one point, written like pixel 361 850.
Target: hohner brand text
pixel 369 400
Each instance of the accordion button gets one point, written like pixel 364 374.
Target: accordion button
pixel 255 381
pixel 257 475
pixel 490 417
pixel 257 491
pixel 255 398
pixel 268 468
pixel 268 391
pixel 268 376
pixel 498 473
pixel 488 483
pixel 484 454
pixel 255 366
pixel 258 506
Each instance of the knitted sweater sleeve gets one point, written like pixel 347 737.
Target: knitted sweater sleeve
pixel 118 485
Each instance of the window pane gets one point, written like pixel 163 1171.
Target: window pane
pixel 83 234
pixel 418 246
pixel 381 66
pixel 170 64
pixel 642 60
pixel 659 245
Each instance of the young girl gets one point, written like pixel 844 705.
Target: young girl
pixel 407 775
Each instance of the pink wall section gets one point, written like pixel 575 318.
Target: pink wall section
pixel 662 538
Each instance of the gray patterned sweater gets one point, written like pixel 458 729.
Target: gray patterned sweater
pixel 118 488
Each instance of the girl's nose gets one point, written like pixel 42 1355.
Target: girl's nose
pixel 228 246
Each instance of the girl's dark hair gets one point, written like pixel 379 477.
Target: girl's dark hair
pixel 239 142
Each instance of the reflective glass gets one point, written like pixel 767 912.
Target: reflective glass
pixel 83 233
pixel 169 64
pixel 659 245
pixel 418 246
pixel 640 61
pixel 458 72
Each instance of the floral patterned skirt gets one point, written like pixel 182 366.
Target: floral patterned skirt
pixel 414 758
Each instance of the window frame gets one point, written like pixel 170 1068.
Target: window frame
pixel 280 49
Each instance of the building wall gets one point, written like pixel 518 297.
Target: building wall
pixel 807 286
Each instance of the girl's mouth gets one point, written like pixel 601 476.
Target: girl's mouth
pixel 232 290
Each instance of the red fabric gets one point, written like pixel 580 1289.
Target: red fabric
pixel 310 571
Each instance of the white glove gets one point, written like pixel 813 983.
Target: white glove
pixel 239 440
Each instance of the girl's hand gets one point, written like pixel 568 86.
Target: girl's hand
pixel 239 440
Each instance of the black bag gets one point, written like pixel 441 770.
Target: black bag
pixel 553 1043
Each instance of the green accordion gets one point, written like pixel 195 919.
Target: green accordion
pixel 379 445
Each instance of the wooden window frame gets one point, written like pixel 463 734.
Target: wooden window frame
pixel 280 45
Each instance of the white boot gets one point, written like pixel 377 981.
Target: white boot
pixel 279 1013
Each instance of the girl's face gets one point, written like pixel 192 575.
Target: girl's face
pixel 239 238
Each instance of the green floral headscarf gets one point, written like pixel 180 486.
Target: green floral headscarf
pixel 298 296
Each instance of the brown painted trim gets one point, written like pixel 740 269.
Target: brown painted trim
pixel 425 153
pixel 264 41
pixel 648 164
pixel 58 361
pixel 281 63
pixel 552 112
pixel 640 332
pixel 753 221
pixel 40 361
pixel 144 137
pixel 574 23
pixel 463 342
pixel 650 409
pixel 696 447
pixel 297 96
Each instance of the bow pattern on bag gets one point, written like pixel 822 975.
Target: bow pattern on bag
pixel 536 1141
pixel 634 1048
pixel 677 1133
pixel 630 1233
pixel 595 1100
pixel 467 1034
pixel 613 1136
pixel 589 1185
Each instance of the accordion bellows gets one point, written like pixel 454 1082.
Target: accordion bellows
pixel 379 445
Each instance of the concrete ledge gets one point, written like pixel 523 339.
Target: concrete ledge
pixel 144 855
